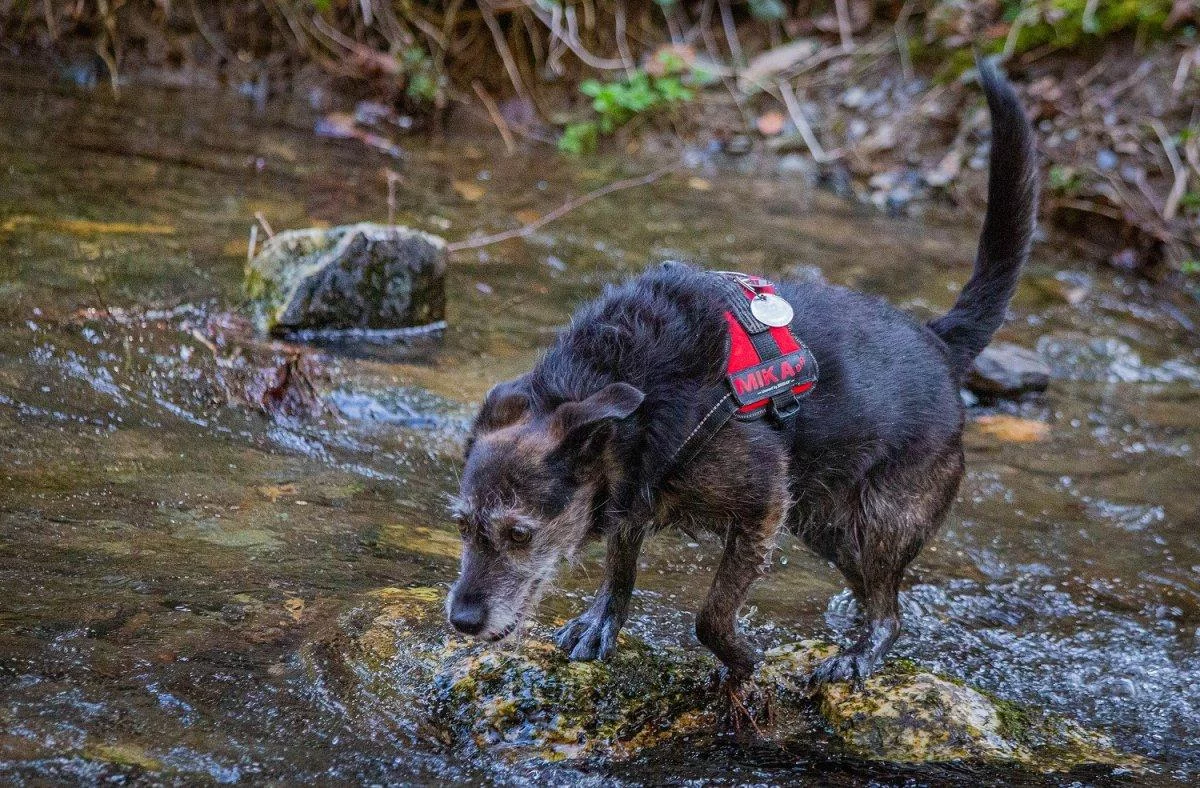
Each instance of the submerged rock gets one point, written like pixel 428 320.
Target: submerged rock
pixel 350 278
pixel 1007 370
pixel 528 702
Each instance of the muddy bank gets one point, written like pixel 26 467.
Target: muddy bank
pixel 872 100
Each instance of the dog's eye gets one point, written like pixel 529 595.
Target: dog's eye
pixel 519 534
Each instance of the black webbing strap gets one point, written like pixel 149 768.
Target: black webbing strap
pixel 720 405
pixel 719 409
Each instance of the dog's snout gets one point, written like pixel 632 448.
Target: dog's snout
pixel 468 613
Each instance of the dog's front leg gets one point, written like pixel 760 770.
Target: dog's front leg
pixel 745 557
pixel 593 635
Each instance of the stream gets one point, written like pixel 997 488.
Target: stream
pixel 165 555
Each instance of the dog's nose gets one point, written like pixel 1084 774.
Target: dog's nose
pixel 468 614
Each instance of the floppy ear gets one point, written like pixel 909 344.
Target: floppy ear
pixel 505 404
pixel 614 401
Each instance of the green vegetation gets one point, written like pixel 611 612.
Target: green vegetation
pixel 1068 23
pixel 640 95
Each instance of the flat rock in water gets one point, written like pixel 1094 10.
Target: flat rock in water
pixel 527 702
pixel 1007 370
pixel 352 278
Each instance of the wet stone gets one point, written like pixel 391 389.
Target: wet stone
pixel 352 278
pixel 1007 370
pixel 528 703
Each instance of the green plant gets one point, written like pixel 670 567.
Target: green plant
pixel 423 79
pixel 1064 180
pixel 579 138
pixel 619 102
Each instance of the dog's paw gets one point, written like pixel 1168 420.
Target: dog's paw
pixel 745 709
pixel 588 637
pixel 847 666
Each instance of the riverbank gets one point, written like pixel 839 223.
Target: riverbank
pixel 873 102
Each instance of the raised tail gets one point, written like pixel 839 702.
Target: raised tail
pixel 1007 227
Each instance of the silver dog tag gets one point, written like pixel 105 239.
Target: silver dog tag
pixel 771 310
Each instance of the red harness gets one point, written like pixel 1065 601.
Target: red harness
pixel 769 370
pixel 756 380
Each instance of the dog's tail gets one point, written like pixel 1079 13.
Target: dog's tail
pixel 1007 227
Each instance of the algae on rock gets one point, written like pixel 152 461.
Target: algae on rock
pixel 528 702
pixel 349 278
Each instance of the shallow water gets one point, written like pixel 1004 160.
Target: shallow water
pixel 165 555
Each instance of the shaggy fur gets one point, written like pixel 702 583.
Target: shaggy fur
pixel 864 474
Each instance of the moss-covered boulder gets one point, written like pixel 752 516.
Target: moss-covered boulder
pixel 348 278
pixel 528 702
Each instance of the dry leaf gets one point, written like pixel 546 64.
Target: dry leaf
pixel 273 492
pixel 469 190
pixel 527 216
pixel 1013 429
pixel 294 607
pixel 699 184
pixel 770 124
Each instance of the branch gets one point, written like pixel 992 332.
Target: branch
pixel 561 211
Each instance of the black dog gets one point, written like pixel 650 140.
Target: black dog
pixel 864 472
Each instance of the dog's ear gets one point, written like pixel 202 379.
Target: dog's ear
pixel 614 401
pixel 505 404
pixel 585 426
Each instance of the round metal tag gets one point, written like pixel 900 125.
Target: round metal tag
pixel 771 309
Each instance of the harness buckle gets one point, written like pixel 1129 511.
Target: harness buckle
pixel 785 405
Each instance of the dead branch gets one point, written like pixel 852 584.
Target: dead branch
pixel 562 210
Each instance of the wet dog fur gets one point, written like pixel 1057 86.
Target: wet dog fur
pixel 580 447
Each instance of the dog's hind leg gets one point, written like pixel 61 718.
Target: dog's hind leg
pixel 896 513
pixel 593 635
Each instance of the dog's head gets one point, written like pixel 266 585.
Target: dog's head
pixel 529 490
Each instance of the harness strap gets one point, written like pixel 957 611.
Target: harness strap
pixel 769 370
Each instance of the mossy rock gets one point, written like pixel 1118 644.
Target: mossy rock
pixel 528 702
pixel 348 279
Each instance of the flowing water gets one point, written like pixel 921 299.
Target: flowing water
pixel 165 555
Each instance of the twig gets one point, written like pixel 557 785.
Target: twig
pixel 570 37
pixel 1189 59
pixel 845 28
pixel 510 65
pixel 623 40
pixel 1088 21
pixel 494 113
pixel 562 210
pixel 51 26
pixel 731 36
pixel 100 299
pixel 802 125
pixel 901 28
pixel 1179 187
pixel 392 178
pixel 1010 42
pixel 265 224
pixel 252 246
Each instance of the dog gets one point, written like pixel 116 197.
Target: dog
pixel 863 471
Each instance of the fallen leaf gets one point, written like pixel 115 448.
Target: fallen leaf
pixel 770 124
pixel 1013 429
pixel 699 184
pixel 527 216
pixel 468 190
pixel 273 492
pixel 294 607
